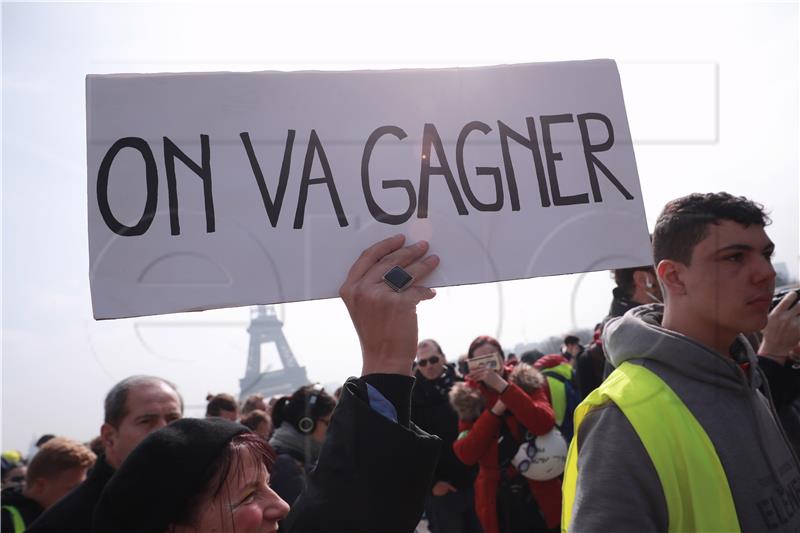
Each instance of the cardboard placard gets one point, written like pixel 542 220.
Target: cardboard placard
pixel 216 190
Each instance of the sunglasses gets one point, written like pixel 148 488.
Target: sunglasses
pixel 432 360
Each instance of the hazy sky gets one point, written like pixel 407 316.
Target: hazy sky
pixel 711 91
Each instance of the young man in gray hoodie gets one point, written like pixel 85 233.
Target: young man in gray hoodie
pixel 727 465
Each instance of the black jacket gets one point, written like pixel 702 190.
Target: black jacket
pixel 784 387
pixel 28 508
pixel 288 476
pixel 373 474
pixel 73 512
pixel 589 368
pixel 431 412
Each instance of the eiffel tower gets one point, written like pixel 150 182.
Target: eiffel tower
pixel 265 327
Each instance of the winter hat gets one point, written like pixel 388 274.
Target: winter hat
pixel 162 473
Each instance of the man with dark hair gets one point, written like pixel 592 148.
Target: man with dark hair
pixel 58 467
pixel 634 287
pixel 696 446
pixel 222 405
pixel 134 408
pixel 450 507
pixel 571 348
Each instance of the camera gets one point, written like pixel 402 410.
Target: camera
pixel 780 294
pixel 492 360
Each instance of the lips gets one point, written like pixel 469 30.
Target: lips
pixel 763 300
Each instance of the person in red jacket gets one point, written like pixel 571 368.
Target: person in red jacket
pixel 516 402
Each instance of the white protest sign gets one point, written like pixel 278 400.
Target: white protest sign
pixel 228 189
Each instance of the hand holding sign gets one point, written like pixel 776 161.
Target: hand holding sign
pixel 385 320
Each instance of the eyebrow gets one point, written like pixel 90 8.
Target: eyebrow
pixel 252 485
pixel 745 247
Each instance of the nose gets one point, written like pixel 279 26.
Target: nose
pixel 276 508
pixel 764 271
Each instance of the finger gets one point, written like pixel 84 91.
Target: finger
pixel 400 257
pixel 785 302
pixel 422 268
pixel 372 255
pixel 419 294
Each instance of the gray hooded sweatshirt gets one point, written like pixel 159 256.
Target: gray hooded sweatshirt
pixel 618 488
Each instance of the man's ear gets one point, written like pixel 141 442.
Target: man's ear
pixel 670 274
pixel 643 279
pixel 108 435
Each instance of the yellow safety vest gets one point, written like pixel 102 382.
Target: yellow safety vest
pixel 558 392
pixel 694 483
pixel 16 518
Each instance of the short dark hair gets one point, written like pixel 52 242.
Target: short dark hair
pixel 571 339
pixel 117 397
pixel 292 409
pixel 220 402
pixel 480 341
pixel 684 222
pixel 623 277
pixel 531 356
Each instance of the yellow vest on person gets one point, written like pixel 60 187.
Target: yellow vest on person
pixel 558 392
pixel 694 483
pixel 16 518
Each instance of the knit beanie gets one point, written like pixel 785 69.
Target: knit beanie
pixel 161 474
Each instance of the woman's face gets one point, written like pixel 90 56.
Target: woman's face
pixel 486 349
pixel 246 503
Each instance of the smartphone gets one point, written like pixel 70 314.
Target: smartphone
pixel 492 360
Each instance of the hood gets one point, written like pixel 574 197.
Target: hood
pixel 638 335
pixel 549 361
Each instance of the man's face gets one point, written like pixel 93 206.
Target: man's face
pixel 53 489
pixel 572 349
pixel 148 407
pixel 426 355
pixel 15 477
pixel 729 284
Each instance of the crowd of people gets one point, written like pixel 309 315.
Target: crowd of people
pixel 681 414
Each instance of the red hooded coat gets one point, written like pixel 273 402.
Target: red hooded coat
pixel 528 411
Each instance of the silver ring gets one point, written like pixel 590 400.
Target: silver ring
pixel 398 279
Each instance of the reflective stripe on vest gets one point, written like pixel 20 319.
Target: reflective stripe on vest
pixel 16 518
pixel 558 397
pixel 695 485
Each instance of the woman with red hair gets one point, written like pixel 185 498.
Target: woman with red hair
pixel 516 403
